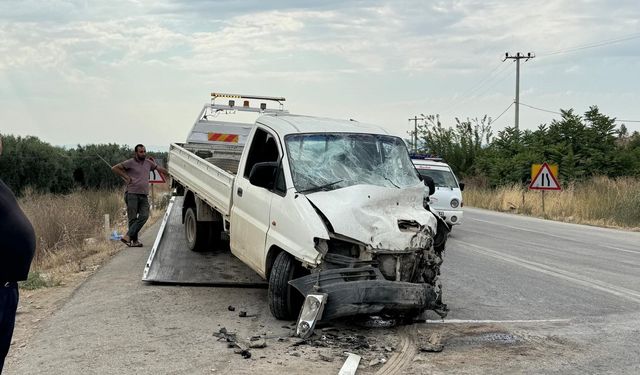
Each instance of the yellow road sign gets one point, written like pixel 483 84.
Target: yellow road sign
pixel 544 177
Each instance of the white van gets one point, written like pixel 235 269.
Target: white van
pixel 447 199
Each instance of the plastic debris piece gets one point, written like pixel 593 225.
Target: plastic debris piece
pixel 350 365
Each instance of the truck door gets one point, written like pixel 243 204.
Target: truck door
pixel 252 204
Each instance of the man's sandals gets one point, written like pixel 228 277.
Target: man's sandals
pixel 131 243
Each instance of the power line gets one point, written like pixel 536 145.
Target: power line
pixel 476 85
pixel 495 82
pixel 559 113
pixel 540 109
pixel 496 72
pixel 503 112
pixel 496 76
pixel 592 45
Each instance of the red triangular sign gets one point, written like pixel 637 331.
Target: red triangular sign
pixel 545 180
pixel 156 177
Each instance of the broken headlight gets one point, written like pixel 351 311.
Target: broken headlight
pixel 310 313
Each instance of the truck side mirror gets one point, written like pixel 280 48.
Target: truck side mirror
pixel 461 186
pixel 428 181
pixel 264 174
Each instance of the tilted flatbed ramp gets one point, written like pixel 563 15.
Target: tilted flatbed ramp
pixel 171 261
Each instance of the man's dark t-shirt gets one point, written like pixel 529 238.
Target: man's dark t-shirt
pixel 17 238
pixel 139 173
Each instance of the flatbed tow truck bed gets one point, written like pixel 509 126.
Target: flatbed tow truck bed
pixel 171 261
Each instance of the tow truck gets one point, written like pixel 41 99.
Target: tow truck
pixel 327 214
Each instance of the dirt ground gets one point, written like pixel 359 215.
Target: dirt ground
pixel 37 305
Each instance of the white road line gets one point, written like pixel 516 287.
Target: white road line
pixel 619 249
pixel 543 247
pixel 547 234
pixel 485 321
pixel 619 291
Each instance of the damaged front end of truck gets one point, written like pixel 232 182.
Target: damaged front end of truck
pixel 383 252
pixel 383 257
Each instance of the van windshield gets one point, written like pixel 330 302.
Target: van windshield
pixel 443 179
pixel 329 161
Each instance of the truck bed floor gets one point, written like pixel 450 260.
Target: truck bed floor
pixel 172 262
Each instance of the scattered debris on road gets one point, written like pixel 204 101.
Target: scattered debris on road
pixel 376 322
pixel 377 361
pixel 433 344
pixel 326 344
pixel 231 308
pixel 258 344
pixel 230 338
pixel 225 335
pixel 245 353
pixel 325 357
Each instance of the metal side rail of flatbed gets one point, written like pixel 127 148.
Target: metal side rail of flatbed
pixel 171 261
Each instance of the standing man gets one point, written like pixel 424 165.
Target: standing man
pixel 135 172
pixel 17 245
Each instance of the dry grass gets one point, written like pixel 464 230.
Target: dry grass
pixel 70 231
pixel 600 201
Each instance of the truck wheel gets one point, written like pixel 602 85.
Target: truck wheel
pixel 197 233
pixel 284 300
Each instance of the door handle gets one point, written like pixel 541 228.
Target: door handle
pixel 239 191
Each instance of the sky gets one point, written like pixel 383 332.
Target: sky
pixel 139 71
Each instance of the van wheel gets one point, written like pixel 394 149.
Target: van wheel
pixel 197 233
pixel 284 300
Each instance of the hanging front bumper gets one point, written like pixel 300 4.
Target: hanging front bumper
pixel 364 290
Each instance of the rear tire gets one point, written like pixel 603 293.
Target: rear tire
pixel 197 233
pixel 284 300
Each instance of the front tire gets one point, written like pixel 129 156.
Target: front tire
pixel 284 300
pixel 197 233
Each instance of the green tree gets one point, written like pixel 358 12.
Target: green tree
pixel 92 164
pixel 459 145
pixel 29 162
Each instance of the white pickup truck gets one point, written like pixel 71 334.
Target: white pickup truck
pixel 311 205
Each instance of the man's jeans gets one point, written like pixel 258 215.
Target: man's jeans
pixel 8 307
pixel 137 213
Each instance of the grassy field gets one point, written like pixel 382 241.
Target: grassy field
pixel 70 231
pixel 599 201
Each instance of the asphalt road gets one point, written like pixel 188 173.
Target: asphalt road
pixel 581 284
pixel 525 296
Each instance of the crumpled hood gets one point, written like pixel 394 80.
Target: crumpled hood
pixel 370 214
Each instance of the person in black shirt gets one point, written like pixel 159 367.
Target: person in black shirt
pixel 17 245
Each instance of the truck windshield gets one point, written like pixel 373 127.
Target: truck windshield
pixel 337 160
pixel 443 179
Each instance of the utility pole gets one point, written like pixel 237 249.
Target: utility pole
pixel 415 132
pixel 517 57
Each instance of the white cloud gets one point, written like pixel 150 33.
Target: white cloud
pixel 437 55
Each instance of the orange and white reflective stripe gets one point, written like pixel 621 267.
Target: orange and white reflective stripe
pixel 220 137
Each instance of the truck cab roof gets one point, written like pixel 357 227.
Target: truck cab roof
pixel 296 124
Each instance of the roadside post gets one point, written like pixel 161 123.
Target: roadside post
pixel 107 227
pixel 544 177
